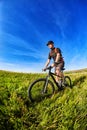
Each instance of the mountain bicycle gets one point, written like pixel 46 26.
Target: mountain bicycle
pixel 44 87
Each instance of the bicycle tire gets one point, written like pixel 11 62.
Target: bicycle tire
pixel 67 81
pixel 35 90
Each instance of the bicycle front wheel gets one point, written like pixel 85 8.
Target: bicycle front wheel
pixel 67 81
pixel 36 89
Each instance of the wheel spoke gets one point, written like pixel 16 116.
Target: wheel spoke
pixel 37 92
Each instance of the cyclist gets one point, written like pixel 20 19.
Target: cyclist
pixel 55 54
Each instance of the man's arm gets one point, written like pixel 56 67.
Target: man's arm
pixel 57 57
pixel 47 63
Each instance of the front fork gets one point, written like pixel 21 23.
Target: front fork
pixel 45 84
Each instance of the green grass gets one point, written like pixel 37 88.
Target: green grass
pixel 66 110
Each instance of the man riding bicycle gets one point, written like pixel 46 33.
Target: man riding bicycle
pixel 55 54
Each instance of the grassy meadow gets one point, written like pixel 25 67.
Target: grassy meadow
pixel 66 110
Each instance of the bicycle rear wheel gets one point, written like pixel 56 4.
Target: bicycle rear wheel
pixel 67 81
pixel 36 89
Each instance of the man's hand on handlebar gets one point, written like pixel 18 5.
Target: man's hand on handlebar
pixel 44 69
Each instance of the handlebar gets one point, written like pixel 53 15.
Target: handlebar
pixel 48 68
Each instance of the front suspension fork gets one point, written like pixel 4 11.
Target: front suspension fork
pixel 45 84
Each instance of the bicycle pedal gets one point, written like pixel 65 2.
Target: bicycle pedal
pixel 60 88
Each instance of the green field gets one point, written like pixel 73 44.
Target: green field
pixel 66 110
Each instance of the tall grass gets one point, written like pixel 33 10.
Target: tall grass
pixel 66 110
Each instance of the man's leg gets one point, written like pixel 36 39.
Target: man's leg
pixel 57 71
pixel 59 74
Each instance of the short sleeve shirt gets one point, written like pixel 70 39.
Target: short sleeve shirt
pixel 53 54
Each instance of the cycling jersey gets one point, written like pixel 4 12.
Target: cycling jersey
pixel 53 54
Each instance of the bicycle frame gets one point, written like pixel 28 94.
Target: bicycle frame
pixel 51 74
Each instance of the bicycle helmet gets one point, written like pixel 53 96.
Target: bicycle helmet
pixel 49 42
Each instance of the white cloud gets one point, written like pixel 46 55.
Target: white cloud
pixel 28 49
pixel 77 62
pixel 26 67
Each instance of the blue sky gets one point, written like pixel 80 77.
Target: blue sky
pixel 27 25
